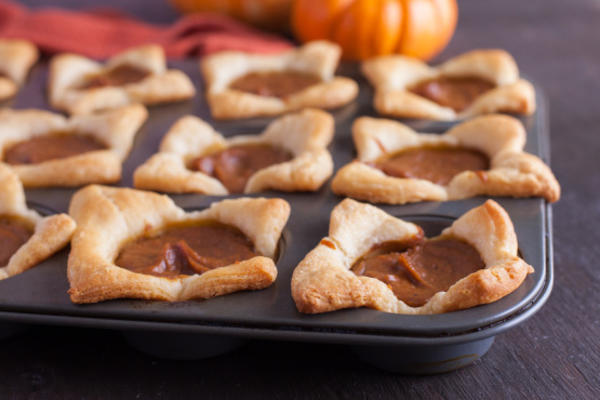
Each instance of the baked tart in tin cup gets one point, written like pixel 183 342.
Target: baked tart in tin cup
pixel 474 83
pixel 372 259
pixel 242 85
pixel 482 156
pixel 80 85
pixel 16 59
pixel 289 155
pixel 26 237
pixel 48 150
pixel 136 244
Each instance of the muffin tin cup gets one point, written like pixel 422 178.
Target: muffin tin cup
pixel 197 329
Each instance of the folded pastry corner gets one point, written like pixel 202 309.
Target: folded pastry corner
pixel 136 244
pixel 16 59
pixel 242 85
pixel 372 259
pixel 477 82
pixel 26 237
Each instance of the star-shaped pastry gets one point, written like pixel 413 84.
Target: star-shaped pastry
pixel 473 83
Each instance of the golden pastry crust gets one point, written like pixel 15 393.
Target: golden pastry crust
pixel 319 58
pixel 393 75
pixel 502 138
pixel 108 217
pixel 16 59
pixel 114 128
pixel 50 234
pixel 163 85
pixel 324 282
pixel 305 134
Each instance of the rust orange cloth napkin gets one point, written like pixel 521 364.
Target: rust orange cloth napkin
pixel 102 34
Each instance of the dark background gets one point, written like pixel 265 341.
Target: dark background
pixel 555 354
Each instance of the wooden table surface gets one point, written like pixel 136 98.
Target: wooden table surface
pixel 554 355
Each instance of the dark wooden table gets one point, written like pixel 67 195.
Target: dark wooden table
pixel 555 354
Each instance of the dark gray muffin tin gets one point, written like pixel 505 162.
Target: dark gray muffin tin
pixel 404 343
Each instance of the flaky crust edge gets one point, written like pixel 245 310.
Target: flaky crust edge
pixel 51 233
pixel 108 216
pixel 306 134
pixel 16 59
pixel 323 281
pixel 512 171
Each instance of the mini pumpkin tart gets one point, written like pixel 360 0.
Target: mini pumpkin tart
pixel 26 238
pixel 139 75
pixel 136 244
pixel 473 83
pixel 241 85
pixel 290 155
pixel 47 149
pixel 16 59
pixel 482 156
pixel 372 259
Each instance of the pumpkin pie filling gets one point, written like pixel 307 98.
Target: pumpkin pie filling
pixel 274 83
pixel 236 164
pixel 436 164
pixel 117 76
pixel 186 250
pixel 14 232
pixel 457 93
pixel 50 147
pixel 416 270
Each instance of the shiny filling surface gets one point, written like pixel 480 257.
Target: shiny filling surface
pixel 117 76
pixel 435 164
pixel 186 250
pixel 14 232
pixel 274 83
pixel 456 93
pixel 236 164
pixel 416 270
pixel 50 147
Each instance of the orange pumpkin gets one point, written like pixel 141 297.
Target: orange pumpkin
pixel 270 14
pixel 368 28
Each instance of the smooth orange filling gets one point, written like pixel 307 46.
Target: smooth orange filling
pixel 117 76
pixel 236 164
pixel 274 83
pixel 435 164
pixel 457 93
pixel 50 147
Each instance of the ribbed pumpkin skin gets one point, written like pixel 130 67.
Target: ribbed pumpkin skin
pixel 269 14
pixel 369 28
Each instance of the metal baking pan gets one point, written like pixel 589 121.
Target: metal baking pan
pixel 412 344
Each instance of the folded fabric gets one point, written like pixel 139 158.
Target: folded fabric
pixel 103 34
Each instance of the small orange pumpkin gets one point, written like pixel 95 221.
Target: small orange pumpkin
pixel 369 28
pixel 269 14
